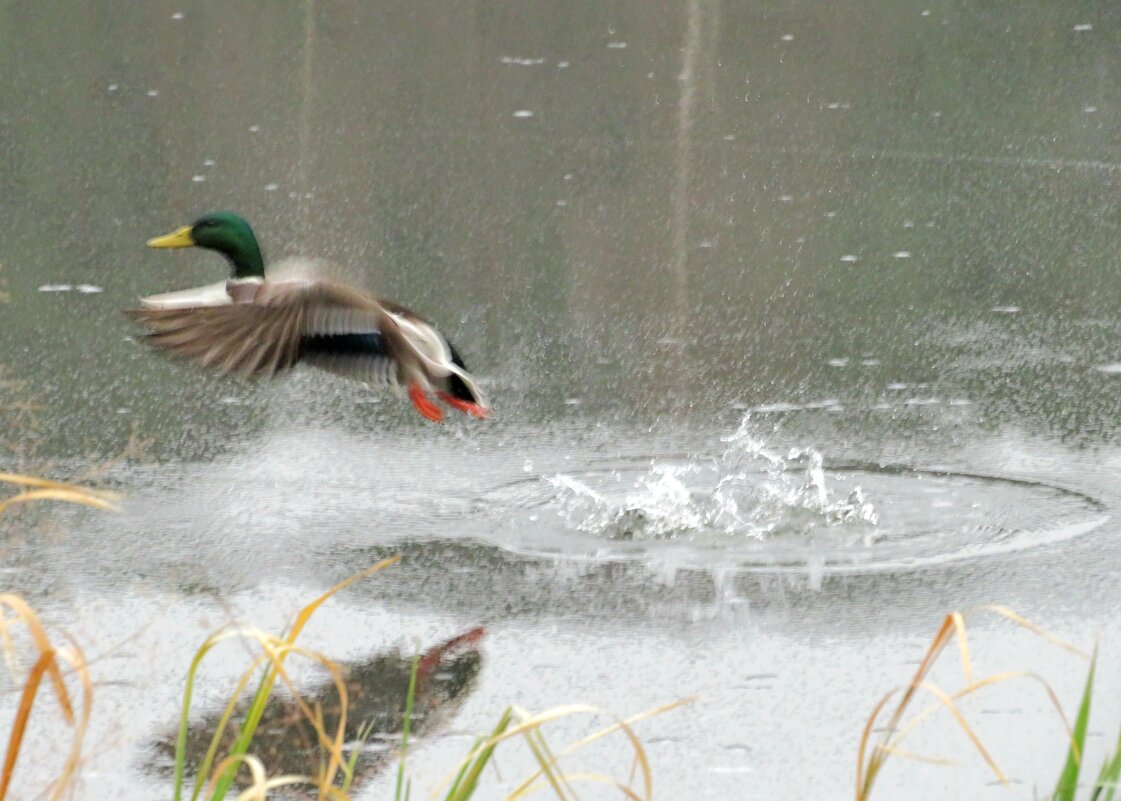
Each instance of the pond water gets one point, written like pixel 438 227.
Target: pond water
pixel 799 321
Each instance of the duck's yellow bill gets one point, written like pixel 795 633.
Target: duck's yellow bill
pixel 176 239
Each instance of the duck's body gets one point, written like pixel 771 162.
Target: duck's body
pixel 257 326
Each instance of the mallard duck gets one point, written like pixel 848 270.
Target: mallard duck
pixel 253 325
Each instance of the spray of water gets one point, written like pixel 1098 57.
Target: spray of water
pixel 749 491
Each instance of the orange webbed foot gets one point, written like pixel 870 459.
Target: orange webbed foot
pixel 422 404
pixel 473 409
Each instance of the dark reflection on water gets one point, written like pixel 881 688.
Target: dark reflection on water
pixel 376 690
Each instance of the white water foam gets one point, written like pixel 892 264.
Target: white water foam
pixel 749 491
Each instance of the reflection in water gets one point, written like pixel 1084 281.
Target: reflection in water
pixel 376 691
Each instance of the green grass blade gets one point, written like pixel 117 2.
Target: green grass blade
pixel 544 756
pixel 1109 776
pixel 181 740
pixel 1068 780
pixel 410 696
pixel 245 735
pixel 257 708
pixel 475 747
pixel 463 790
pixel 363 736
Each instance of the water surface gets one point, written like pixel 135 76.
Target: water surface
pixel 799 323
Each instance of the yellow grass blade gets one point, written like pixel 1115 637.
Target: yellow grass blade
pixel 275 649
pixel 963 646
pixel 596 778
pixel 944 697
pixel 23 712
pixel 868 765
pixel 46 483
pixel 918 757
pixel 863 783
pixel 1004 611
pixel 46 663
pixel 70 496
pixel 527 724
pixel 309 610
pixel 43 644
pixel 641 716
pixel 867 777
pixel 77 660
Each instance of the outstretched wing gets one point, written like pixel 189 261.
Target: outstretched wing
pixel 269 326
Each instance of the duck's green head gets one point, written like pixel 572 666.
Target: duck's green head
pixel 224 232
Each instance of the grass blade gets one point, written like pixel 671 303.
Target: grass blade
pixel 409 697
pixel 241 744
pixel 1110 773
pixel 19 725
pixel 467 782
pixel 1068 779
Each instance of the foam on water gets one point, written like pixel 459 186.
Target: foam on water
pixel 748 492
pixel 763 507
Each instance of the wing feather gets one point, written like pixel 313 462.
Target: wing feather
pixel 268 327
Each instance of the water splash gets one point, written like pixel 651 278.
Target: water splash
pixel 749 491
